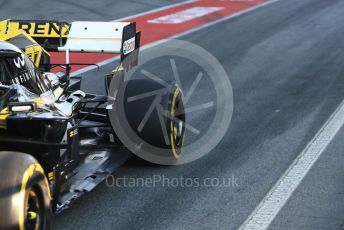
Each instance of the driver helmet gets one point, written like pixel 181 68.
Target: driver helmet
pixel 17 68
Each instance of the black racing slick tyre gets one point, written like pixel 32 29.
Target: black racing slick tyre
pixel 24 193
pixel 155 114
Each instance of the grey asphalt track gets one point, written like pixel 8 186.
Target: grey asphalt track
pixel 318 201
pixel 285 63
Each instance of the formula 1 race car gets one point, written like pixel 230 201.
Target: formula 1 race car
pixel 56 141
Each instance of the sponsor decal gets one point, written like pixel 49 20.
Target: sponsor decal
pixel 129 46
pixel 34 53
pixel 72 133
pixel 39 29
pixel 22 78
pixel 19 62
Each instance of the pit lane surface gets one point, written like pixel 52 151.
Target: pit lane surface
pixel 285 62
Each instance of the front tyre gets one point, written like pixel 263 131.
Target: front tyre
pixel 24 193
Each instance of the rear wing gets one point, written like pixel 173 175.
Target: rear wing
pixel 80 36
pixel 102 37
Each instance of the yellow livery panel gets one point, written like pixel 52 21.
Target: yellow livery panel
pixel 44 29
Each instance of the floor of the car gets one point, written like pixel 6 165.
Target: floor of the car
pixel 91 172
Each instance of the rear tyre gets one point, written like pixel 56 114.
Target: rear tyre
pixel 24 193
pixel 156 116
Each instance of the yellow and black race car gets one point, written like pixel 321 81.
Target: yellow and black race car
pixel 56 141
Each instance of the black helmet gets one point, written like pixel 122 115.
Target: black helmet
pixel 17 68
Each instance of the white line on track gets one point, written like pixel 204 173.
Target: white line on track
pixel 274 201
pixel 110 60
